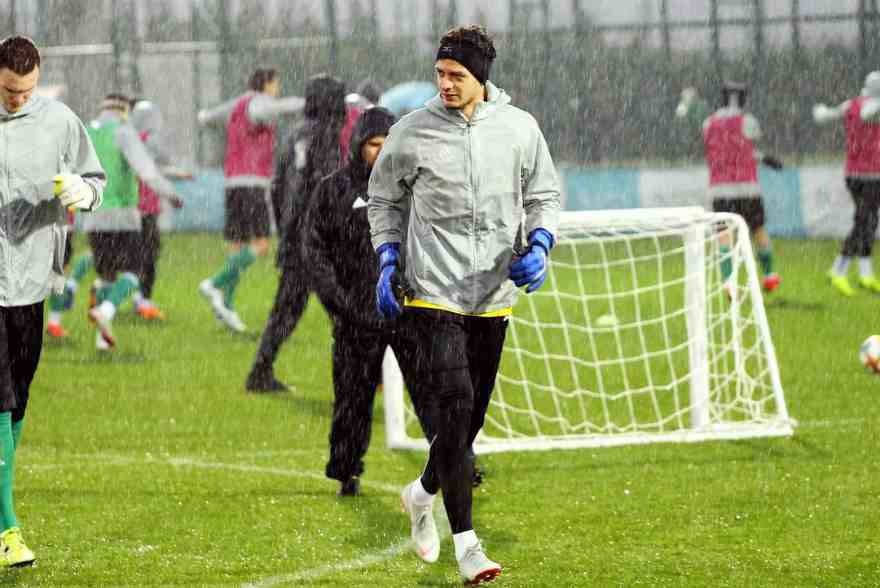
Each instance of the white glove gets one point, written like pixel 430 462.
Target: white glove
pixel 819 112
pixel 202 117
pixel 73 192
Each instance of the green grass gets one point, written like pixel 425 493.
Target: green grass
pixel 153 467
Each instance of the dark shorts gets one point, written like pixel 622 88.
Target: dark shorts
pixel 247 214
pixel 68 249
pixel 750 208
pixel 115 252
pixel 21 340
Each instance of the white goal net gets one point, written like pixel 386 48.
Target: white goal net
pixel 634 338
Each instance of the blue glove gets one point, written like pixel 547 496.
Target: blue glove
pixel 386 300
pixel 531 268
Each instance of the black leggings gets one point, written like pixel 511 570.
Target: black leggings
pixel 21 341
pixel 151 240
pixel 358 352
pixel 457 359
pixel 290 303
pixel 866 196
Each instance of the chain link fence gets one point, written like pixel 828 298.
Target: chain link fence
pixel 603 93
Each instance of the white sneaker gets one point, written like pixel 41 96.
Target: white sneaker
pixel 103 321
pixel 730 290
pixel 426 540
pixel 476 568
pixel 233 321
pixel 214 296
pixel 100 343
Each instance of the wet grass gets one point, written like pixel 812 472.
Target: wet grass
pixel 153 467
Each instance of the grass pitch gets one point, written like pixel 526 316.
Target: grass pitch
pixel 151 466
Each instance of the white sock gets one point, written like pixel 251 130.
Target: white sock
pixel 866 268
pixel 55 317
pixel 462 541
pixel 419 495
pixel 71 285
pixel 841 265
pixel 108 309
pixel 137 297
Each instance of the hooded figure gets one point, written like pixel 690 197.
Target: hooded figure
pixel 338 246
pixel 146 118
pixel 310 153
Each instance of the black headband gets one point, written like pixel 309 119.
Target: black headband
pixel 470 56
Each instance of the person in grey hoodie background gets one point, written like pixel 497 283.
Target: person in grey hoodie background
pixel 146 118
pixel 115 230
pixel 47 165
pixel 454 190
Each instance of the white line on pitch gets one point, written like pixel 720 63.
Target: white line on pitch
pixel 330 569
pixel 253 469
pixel 360 562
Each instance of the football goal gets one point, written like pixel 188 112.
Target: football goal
pixel 634 338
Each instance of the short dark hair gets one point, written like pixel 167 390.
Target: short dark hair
pixel 19 54
pixel 261 77
pixel 471 35
pixel 116 101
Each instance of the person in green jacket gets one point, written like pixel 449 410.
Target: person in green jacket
pixel 47 165
pixel 115 230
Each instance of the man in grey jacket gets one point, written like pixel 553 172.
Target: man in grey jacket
pixel 454 190
pixel 44 149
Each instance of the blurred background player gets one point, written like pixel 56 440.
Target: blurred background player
pixel 62 302
pixel 336 243
pixel 146 118
pixel 861 118
pixel 310 152
pixel 248 169
pixel 440 165
pixel 729 137
pixel 48 155
pixel 365 96
pixel 115 230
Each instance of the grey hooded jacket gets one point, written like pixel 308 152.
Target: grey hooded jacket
pixel 461 196
pixel 41 140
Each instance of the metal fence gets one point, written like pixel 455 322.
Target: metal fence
pixel 603 93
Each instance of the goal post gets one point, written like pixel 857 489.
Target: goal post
pixel 635 337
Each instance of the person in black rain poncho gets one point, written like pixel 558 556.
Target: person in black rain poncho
pixel 337 245
pixel 310 153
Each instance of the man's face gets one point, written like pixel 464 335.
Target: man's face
pixel 370 150
pixel 16 90
pixel 273 87
pixel 458 87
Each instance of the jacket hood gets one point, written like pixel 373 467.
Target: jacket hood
pixel 146 117
pixel 495 98
pixel 373 121
pixel 325 98
pixel 32 106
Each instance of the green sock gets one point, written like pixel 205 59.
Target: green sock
pixel 726 262
pixel 16 432
pixel 81 266
pixel 122 288
pixel 56 303
pixel 227 279
pixel 7 470
pixel 765 257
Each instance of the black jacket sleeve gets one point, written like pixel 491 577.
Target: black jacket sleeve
pixel 319 237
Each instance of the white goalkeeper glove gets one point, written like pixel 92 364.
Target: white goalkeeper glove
pixel 73 192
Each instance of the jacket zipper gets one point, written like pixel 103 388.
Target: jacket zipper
pixel 473 213
pixel 7 270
